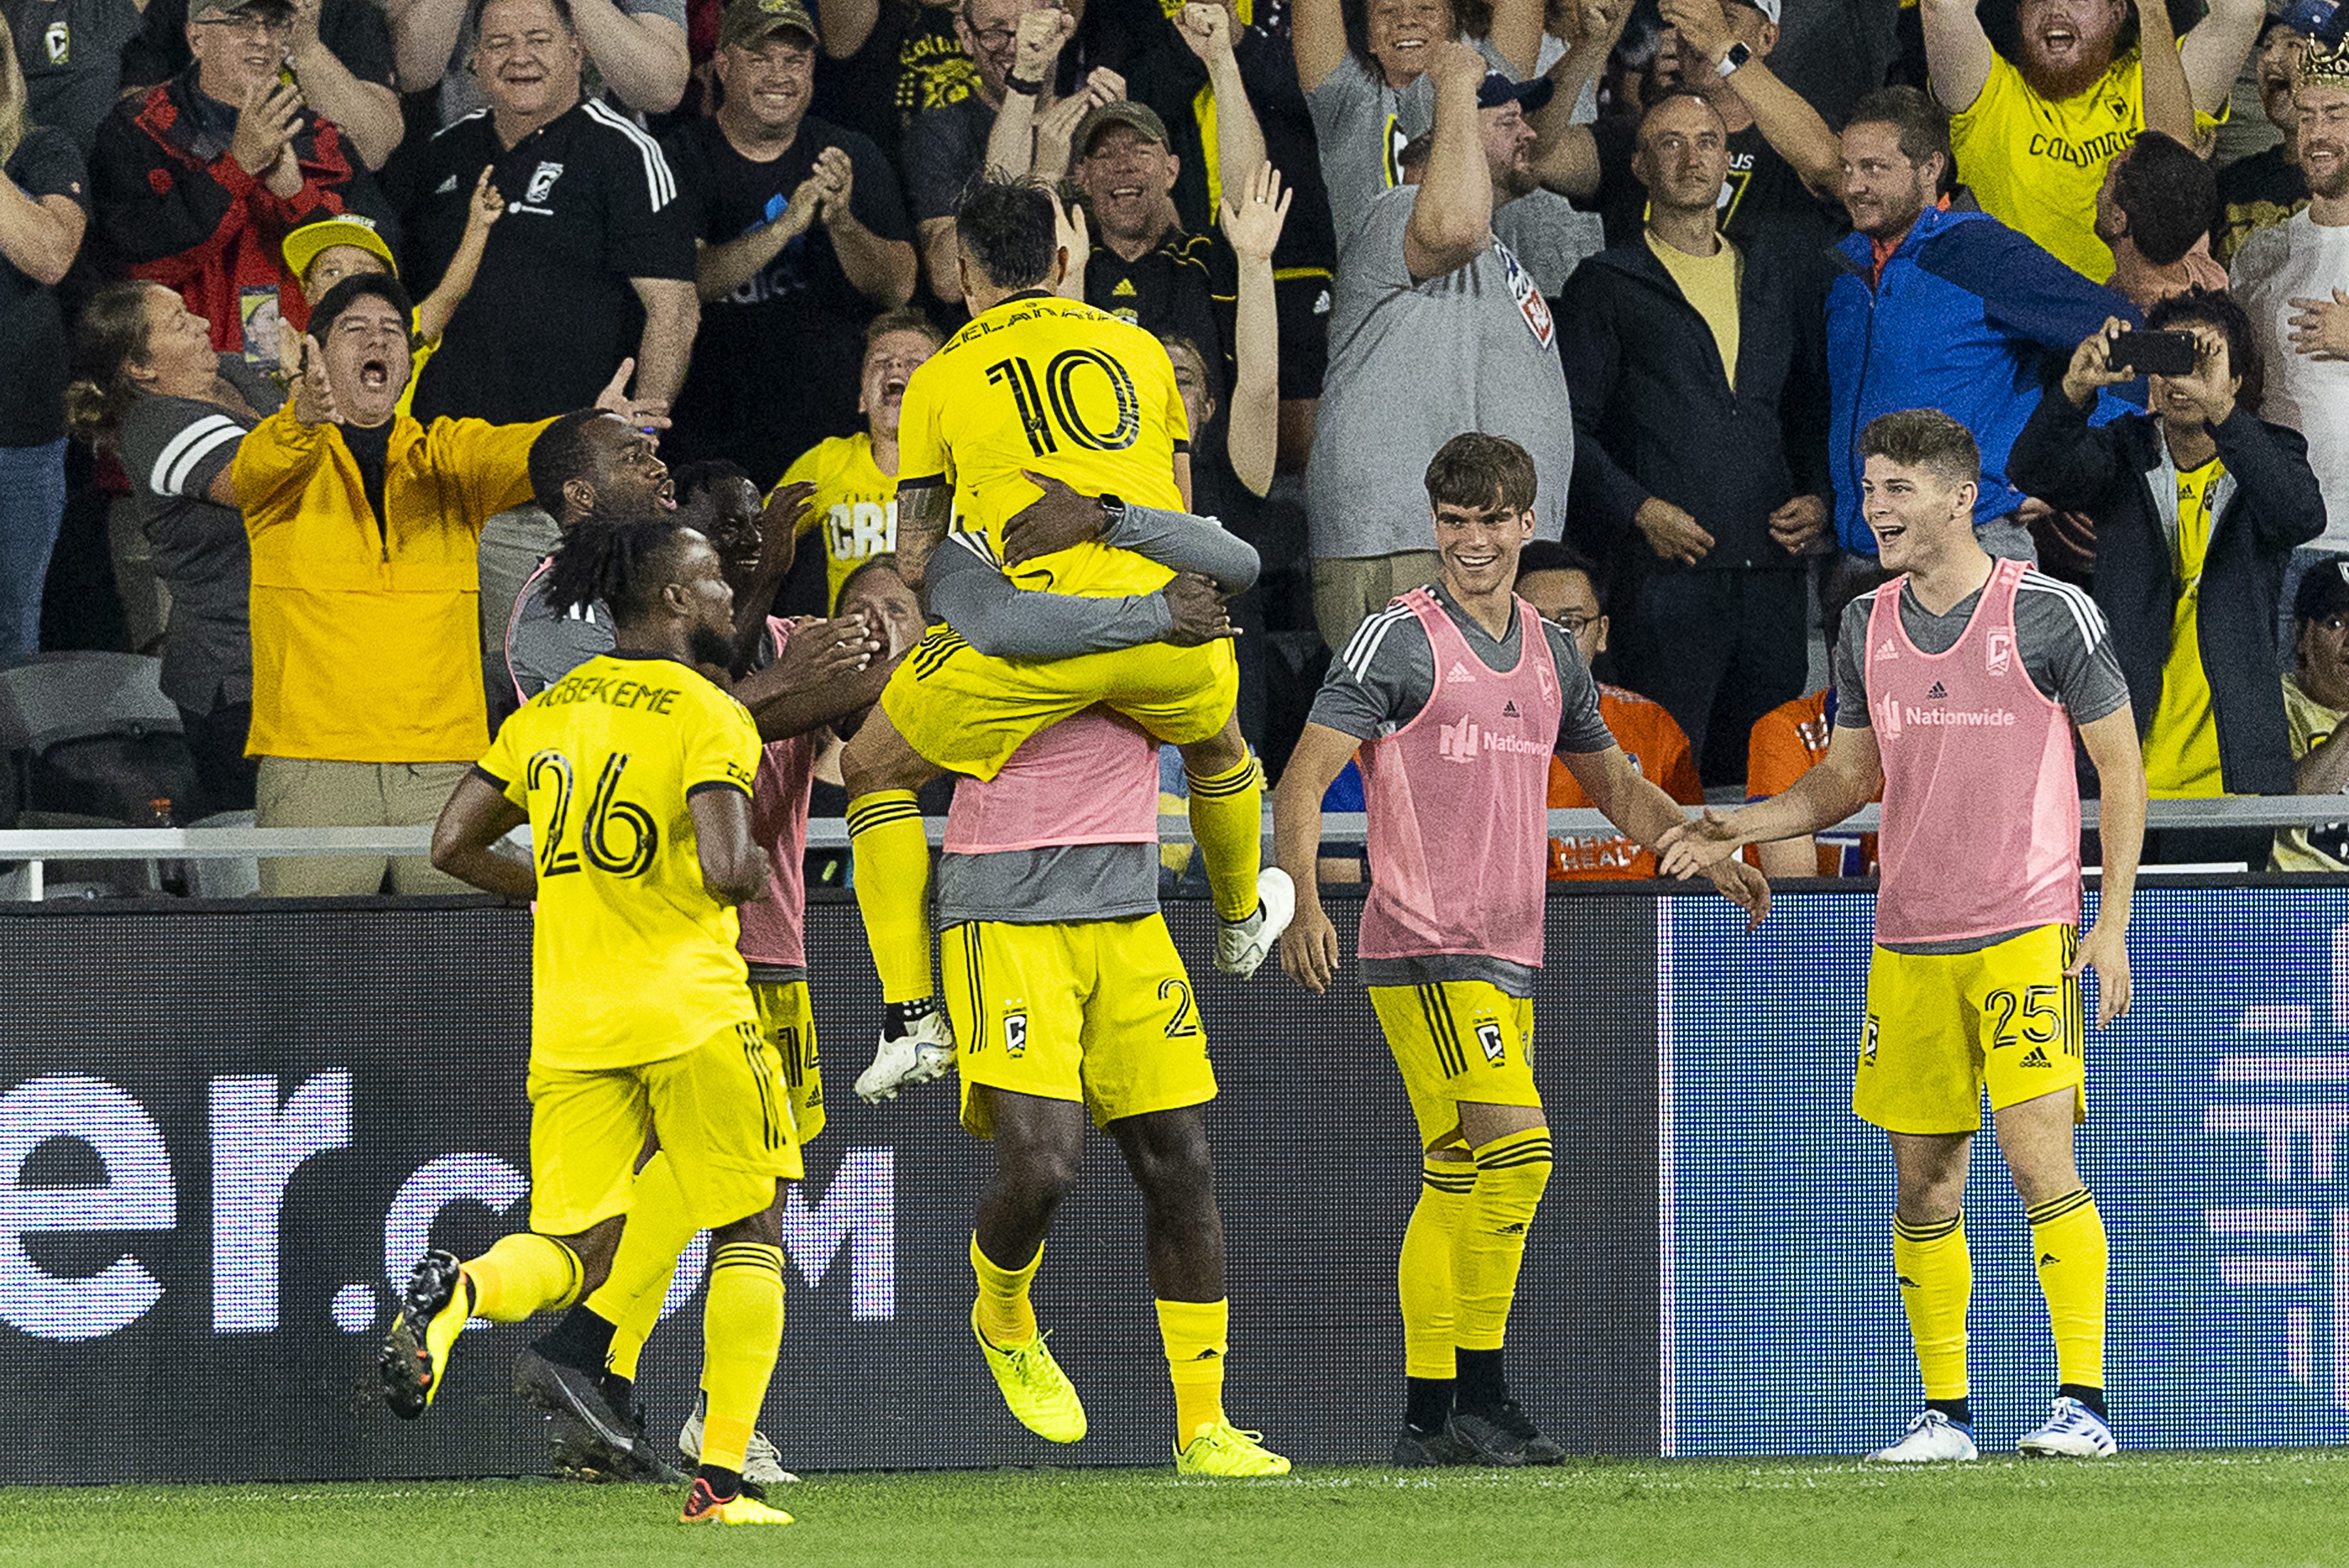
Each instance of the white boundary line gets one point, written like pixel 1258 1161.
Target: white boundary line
pixel 1667 1285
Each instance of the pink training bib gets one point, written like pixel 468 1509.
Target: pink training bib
pixel 1458 803
pixel 1093 779
pixel 1981 808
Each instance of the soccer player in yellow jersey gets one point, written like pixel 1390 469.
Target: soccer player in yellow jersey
pixel 1037 390
pixel 634 774
pixel 855 476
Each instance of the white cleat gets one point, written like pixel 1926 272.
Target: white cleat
pixel 1932 1439
pixel 2072 1431
pixel 1242 945
pixel 925 1051
pixel 763 1465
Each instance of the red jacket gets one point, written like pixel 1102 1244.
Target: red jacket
pixel 184 213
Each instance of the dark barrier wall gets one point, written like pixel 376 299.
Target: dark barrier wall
pixel 223 1128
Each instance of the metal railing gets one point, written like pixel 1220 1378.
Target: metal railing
pixel 34 847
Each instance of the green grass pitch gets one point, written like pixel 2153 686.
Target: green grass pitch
pixel 2204 1509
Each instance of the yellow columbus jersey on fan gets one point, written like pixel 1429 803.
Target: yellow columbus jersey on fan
pixel 632 960
pixel 1057 388
pixel 855 506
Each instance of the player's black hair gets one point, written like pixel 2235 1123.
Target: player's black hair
pixel 1554 555
pixel 1927 439
pixel 558 456
pixel 1922 124
pixel 1009 230
pixel 692 478
pixel 1480 472
pixel 622 562
pixel 351 291
pixel 2168 194
pixel 2199 306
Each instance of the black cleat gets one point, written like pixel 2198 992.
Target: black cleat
pixel 414 1356
pixel 1502 1434
pixel 577 1455
pixel 1417 1449
pixel 603 1439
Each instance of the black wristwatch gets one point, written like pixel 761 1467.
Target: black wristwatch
pixel 1737 56
pixel 1113 513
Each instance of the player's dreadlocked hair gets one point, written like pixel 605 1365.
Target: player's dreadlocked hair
pixel 621 563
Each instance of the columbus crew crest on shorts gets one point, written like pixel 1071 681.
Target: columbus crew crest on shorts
pixel 1014 1034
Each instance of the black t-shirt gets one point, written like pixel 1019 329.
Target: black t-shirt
pixel 1764 203
pixel 1134 39
pixel 370 449
pixel 910 62
pixel 32 328
pixel 2254 193
pixel 591 202
pixel 1186 286
pixel 800 312
pixel 354 31
pixel 71 52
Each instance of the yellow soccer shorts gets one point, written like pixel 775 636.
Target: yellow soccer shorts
pixel 1099 1012
pixel 1454 1041
pixel 966 714
pixel 787 1021
pixel 722 1112
pixel 1943 1027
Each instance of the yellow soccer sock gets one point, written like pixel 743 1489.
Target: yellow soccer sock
pixel 1227 819
pixel 2067 1236
pixel 630 1298
pixel 1197 1335
pixel 1511 1172
pixel 1424 1272
pixel 525 1273
pixel 742 1329
pixel 1937 1282
pixel 1004 1315
pixel 893 889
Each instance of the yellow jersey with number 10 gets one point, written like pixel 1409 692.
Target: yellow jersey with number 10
pixel 1057 388
pixel 632 960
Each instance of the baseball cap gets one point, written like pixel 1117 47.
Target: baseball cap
pixel 303 245
pixel 221 10
pixel 747 23
pixel 1416 115
pixel 2324 591
pixel 1120 111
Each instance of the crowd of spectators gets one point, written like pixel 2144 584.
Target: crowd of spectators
pixel 364 301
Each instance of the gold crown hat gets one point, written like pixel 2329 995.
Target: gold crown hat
pixel 2321 67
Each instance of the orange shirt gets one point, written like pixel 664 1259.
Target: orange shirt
pixel 1788 742
pixel 1660 749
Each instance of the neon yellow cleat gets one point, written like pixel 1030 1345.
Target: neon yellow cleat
pixel 1033 1385
pixel 432 1314
pixel 703 1506
pixel 1222 1450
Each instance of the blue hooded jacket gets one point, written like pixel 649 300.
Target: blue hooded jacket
pixel 1964 320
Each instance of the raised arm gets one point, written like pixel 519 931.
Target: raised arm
pixel 1794 129
pixel 2168 99
pixel 1253 214
pixel 643 59
pixel 1957 54
pixel 2215 49
pixel 39 235
pixel 423 37
pixel 1207 30
pixel 1517 35
pixel 368 112
pixel 1451 213
pixel 845 25
pixel 1316 36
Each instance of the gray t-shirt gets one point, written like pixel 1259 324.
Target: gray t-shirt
pixel 173 448
pixel 943 149
pixel 1359 125
pixel 1071 882
pixel 1412 365
pixel 2064 646
pixel 515 545
pixel 1383 680
pixel 461 92
pixel 544 647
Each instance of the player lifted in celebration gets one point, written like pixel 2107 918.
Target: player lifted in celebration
pixel 1455 696
pixel 634 774
pixel 1036 386
pixel 1067 994
pixel 1959 685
